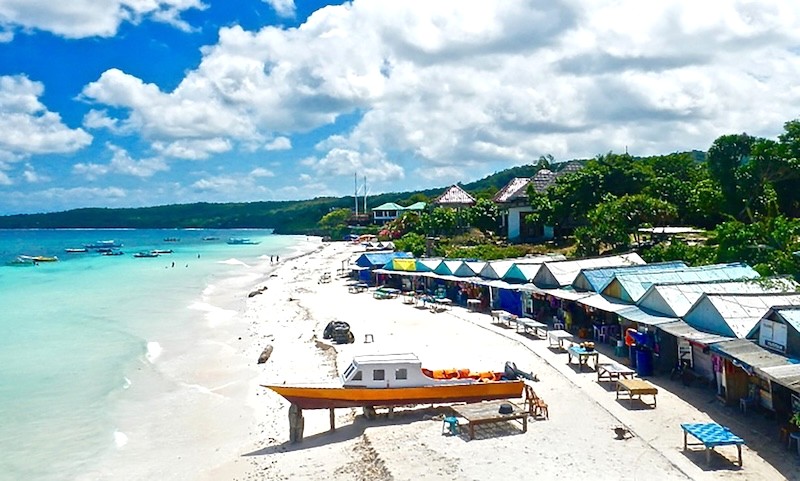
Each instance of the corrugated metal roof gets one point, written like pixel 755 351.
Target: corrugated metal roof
pixel 567 293
pixel 455 195
pixel 388 206
pixel 522 272
pixel 603 303
pixel 632 286
pixel 681 329
pixel 432 264
pixel 644 316
pixel 416 206
pixel 563 273
pixel 475 266
pixel 787 375
pixel 371 259
pixel 596 278
pixel 458 269
pixel 734 314
pixel 749 353
pixel 515 189
pixel 790 315
pixel 675 299
pixel 496 269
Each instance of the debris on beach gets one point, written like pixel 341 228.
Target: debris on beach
pixel 265 354
pixel 257 291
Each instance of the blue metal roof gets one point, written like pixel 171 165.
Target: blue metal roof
pixel 632 286
pixel 596 278
pixel 372 259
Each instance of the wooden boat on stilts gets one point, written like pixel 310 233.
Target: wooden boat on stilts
pixel 400 380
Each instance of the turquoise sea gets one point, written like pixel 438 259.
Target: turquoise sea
pixel 80 338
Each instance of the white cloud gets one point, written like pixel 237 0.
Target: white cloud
pixel 32 177
pixel 232 187
pixel 458 88
pixel 261 172
pixel 121 163
pixel 28 127
pixel 193 149
pixel 5 179
pixel 279 143
pixel 90 18
pixel 342 162
pixel 284 8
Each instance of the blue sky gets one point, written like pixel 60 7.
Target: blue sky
pixel 126 103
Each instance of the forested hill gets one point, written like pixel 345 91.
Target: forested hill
pixel 286 217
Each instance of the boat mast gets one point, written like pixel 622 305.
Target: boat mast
pixel 355 190
pixel 365 194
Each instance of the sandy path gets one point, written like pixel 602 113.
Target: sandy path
pixel 576 443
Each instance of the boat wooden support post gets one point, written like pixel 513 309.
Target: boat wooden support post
pixel 296 424
pixel 332 416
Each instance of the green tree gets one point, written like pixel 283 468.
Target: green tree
pixel 614 221
pixel 411 242
pixel 439 221
pixel 484 215
pixel 334 223
pixel 727 159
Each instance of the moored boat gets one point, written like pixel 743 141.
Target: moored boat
pixel 161 251
pixel 103 244
pixel 241 241
pixel 399 380
pixel 75 250
pixel 42 258
pixel 146 254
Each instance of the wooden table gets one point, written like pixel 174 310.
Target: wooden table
pixel 710 436
pixel 582 355
pixel 557 338
pixel 536 328
pixel 636 387
pixel 489 412
pixel 612 371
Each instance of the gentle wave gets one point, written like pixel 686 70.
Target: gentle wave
pixel 154 350
pixel 233 262
pixel 215 315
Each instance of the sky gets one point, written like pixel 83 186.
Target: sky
pixel 129 103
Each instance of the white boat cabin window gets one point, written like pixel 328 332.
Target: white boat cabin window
pixel 357 376
pixel 349 371
pixel 401 373
pixel 378 375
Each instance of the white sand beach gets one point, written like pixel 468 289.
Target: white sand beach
pixel 577 442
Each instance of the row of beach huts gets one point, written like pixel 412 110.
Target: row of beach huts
pixel 736 331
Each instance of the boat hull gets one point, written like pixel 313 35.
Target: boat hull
pixel 340 397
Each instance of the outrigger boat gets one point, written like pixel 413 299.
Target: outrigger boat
pixel 400 380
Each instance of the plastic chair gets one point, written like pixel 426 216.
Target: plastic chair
pixel 450 424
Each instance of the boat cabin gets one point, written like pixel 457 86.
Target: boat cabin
pixel 385 370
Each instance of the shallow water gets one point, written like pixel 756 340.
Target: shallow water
pixel 88 342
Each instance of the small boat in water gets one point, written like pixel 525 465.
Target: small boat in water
pixel 210 238
pixel 400 380
pixel 241 241
pixel 172 239
pixel 111 252
pixel 161 251
pixel 104 244
pixel 145 254
pixel 75 250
